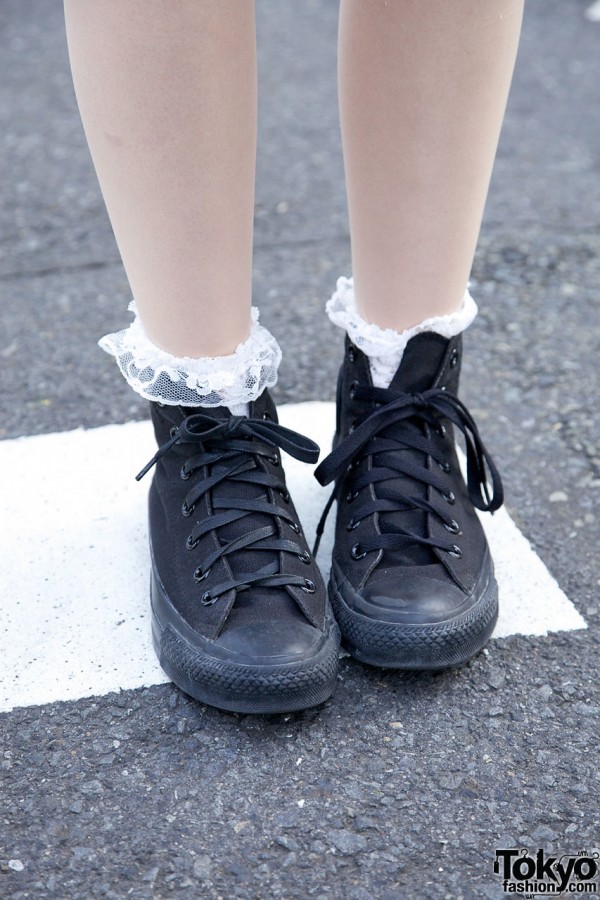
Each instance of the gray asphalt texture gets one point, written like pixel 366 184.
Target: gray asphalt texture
pixel 401 785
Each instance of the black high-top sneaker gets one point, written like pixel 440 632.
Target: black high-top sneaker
pixel 412 581
pixel 240 616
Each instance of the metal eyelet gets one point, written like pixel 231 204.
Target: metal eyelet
pixel 308 587
pixel 353 387
pixel 274 460
pixel 208 599
pixel 191 544
pixel 199 575
pixel 185 476
pixel 456 551
pixel 441 430
pixel 355 553
pixel 449 497
pixel 173 431
pixel 186 510
pixel 454 359
pixel 452 526
pixel 285 496
pixel 445 467
pixel 352 524
pixel 267 416
pixel 351 353
pixel 295 527
pixel 350 496
pixel 304 557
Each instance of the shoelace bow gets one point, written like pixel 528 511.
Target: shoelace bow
pixel 230 447
pixel 368 439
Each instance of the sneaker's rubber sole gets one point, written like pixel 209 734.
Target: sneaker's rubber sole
pixel 240 688
pixel 442 645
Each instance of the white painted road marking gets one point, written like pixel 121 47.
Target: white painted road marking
pixel 75 566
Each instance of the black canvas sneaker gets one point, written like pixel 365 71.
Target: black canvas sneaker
pixel 240 616
pixel 412 581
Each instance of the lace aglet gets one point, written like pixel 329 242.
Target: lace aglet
pixel 317 542
pixel 158 455
pixel 320 530
pixel 146 469
pixel 321 525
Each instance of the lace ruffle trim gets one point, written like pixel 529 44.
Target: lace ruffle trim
pixel 184 381
pixel 385 346
pixel 376 341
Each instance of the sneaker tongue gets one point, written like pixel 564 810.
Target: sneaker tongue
pixel 216 412
pixel 416 373
pixel 242 561
pixel 420 363
pixel 258 603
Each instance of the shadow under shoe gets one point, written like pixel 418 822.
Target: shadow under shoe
pixel 412 581
pixel 240 615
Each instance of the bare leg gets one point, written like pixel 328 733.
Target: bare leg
pixel 423 89
pixel 167 94
pixel 167 91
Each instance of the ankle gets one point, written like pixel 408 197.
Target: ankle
pixel 232 381
pixel 385 347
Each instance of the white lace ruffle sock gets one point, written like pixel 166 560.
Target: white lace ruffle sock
pixel 232 381
pixel 385 346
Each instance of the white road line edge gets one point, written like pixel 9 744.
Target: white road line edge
pixel 75 617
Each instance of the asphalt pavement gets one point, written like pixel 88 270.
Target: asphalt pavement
pixel 402 785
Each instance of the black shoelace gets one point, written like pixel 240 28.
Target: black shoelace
pixel 230 450
pixel 377 437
